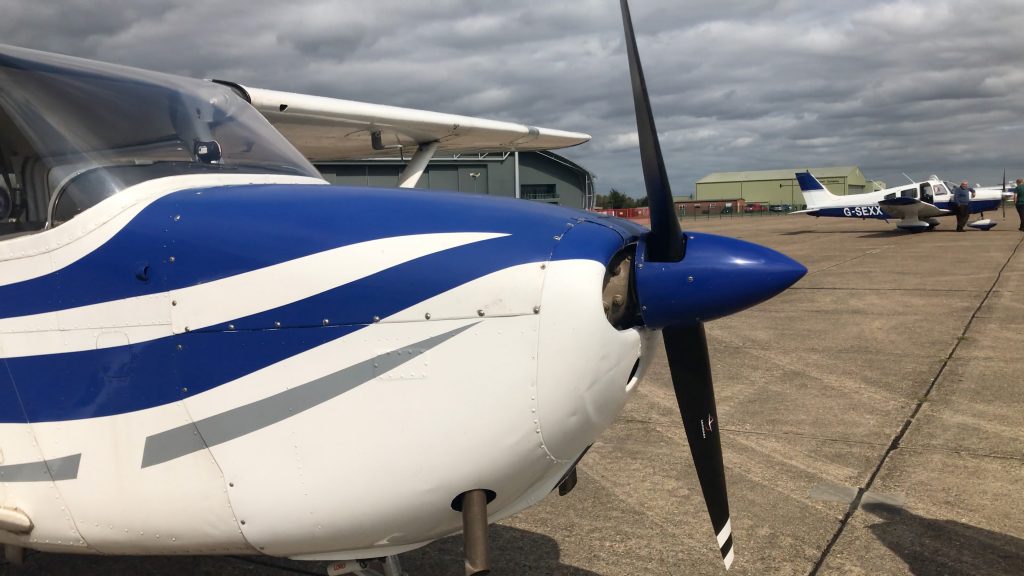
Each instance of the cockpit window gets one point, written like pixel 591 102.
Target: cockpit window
pixel 73 132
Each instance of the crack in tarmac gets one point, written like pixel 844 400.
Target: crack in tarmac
pixel 856 289
pixel 758 432
pixel 895 444
pixel 964 453
pixel 848 260
pixel 802 436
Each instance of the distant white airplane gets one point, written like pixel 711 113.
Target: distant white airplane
pixel 1005 190
pixel 917 205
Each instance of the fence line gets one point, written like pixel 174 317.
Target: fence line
pixel 711 209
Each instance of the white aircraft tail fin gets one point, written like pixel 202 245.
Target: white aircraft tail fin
pixel 815 194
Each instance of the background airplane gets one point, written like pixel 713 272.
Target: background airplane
pixel 917 205
pixel 206 349
pixel 1005 190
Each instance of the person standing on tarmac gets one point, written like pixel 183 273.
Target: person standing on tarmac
pixel 962 201
pixel 1019 202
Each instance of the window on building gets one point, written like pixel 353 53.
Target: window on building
pixel 538 192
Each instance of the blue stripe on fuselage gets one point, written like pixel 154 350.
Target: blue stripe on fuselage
pixel 10 404
pixel 985 205
pixel 875 211
pixel 977 206
pixel 218 232
pixel 866 211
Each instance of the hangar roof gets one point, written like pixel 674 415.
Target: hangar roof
pixel 783 174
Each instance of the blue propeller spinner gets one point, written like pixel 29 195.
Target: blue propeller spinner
pixel 719 276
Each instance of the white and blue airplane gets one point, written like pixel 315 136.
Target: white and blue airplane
pixel 207 349
pixel 916 205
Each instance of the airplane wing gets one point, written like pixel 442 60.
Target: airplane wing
pixel 325 129
pixel 910 208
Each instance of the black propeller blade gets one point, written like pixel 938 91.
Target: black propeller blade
pixel 666 242
pixel 686 345
pixel 688 362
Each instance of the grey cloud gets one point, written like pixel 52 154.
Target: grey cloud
pixel 910 86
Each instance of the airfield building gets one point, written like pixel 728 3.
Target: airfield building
pixel 540 176
pixel 777 187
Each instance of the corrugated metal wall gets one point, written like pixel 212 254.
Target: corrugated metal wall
pixel 779 191
pixel 493 174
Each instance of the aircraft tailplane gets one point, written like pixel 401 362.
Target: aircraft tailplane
pixel 815 193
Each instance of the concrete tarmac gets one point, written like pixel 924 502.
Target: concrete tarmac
pixel 872 420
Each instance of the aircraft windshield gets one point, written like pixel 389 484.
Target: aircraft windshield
pixel 73 132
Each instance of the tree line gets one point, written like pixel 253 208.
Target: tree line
pixel 616 199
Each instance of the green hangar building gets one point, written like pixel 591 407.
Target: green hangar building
pixel 540 176
pixel 778 186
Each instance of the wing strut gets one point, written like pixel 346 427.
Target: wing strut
pixel 417 164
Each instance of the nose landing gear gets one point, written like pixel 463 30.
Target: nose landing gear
pixel 473 505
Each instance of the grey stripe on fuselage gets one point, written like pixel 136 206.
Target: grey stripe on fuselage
pixel 65 468
pixel 219 428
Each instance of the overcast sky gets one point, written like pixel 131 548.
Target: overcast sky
pixel 919 87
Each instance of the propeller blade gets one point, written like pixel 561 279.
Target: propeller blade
pixel 1002 199
pixel 687 350
pixel 666 242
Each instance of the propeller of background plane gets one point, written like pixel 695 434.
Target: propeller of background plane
pixel 683 280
